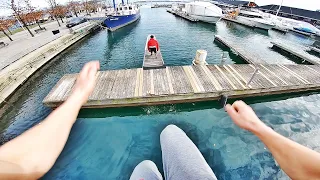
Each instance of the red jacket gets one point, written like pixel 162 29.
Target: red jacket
pixel 153 42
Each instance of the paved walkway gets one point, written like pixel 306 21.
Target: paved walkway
pixel 23 43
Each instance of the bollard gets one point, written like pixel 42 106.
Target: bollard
pixel 223 57
pixel 200 58
pixel 254 73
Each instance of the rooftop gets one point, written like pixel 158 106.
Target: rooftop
pixel 294 11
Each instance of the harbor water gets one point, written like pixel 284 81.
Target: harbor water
pixel 109 143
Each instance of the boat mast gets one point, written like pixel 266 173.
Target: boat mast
pixel 114 5
pixel 122 2
pixel 279 8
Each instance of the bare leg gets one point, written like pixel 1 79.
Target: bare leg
pixel 146 170
pixel 181 158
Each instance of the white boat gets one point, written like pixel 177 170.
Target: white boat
pixel 203 11
pixel 249 18
pixel 255 19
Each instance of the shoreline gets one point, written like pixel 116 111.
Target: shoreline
pixel 16 73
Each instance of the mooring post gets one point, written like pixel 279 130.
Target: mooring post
pixel 223 58
pixel 254 73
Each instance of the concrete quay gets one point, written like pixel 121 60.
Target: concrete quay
pixel 18 71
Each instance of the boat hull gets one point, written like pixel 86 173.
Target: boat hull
pixel 115 22
pixel 207 19
pixel 262 25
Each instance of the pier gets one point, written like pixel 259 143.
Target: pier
pixel 297 51
pixel 179 84
pixel 152 61
pixel 182 15
pixel 248 57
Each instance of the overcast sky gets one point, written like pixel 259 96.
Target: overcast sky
pixel 303 4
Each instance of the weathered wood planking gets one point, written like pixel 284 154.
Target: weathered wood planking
pixel 174 84
pixel 297 51
pixel 247 56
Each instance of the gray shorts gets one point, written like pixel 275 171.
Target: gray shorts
pixel 181 159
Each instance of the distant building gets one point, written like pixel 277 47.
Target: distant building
pixel 312 17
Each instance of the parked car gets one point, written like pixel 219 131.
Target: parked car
pixel 76 21
pixel 68 15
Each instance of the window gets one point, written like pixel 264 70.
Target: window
pixel 130 8
pixel 121 9
pixel 125 8
pixel 117 9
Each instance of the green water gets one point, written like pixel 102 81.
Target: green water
pixel 108 143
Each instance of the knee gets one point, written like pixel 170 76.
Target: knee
pixel 146 164
pixel 169 132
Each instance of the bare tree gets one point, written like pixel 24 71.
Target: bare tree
pixel 60 11
pixel 53 5
pixel 73 7
pixel 3 26
pixel 18 11
pixel 32 14
pixel 9 23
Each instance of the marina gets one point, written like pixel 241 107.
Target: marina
pixel 138 95
pixel 297 51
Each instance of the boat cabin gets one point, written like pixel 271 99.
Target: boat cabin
pixel 250 14
pixel 126 9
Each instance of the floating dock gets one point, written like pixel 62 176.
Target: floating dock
pixel 183 15
pixel 297 51
pixel 152 61
pixel 314 49
pixel 179 84
pixel 248 57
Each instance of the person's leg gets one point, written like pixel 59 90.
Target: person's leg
pixel 153 50
pixel 181 158
pixel 146 170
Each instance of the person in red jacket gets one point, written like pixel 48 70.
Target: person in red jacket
pixel 153 45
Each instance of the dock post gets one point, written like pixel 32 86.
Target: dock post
pixel 254 73
pixel 223 58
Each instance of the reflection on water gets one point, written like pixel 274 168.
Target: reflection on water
pixel 109 143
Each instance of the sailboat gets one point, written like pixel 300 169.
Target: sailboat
pixel 124 14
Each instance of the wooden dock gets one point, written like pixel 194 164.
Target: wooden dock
pixel 178 84
pixel 152 61
pixel 297 51
pixel 183 15
pixel 314 49
pixel 245 55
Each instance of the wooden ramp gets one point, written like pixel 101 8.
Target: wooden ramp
pixel 152 61
pixel 177 84
pixel 297 51
pixel 248 57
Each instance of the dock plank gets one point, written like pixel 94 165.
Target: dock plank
pixel 205 81
pixel 178 84
pixel 181 84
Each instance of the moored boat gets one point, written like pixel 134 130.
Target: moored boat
pixel 123 15
pixel 203 11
